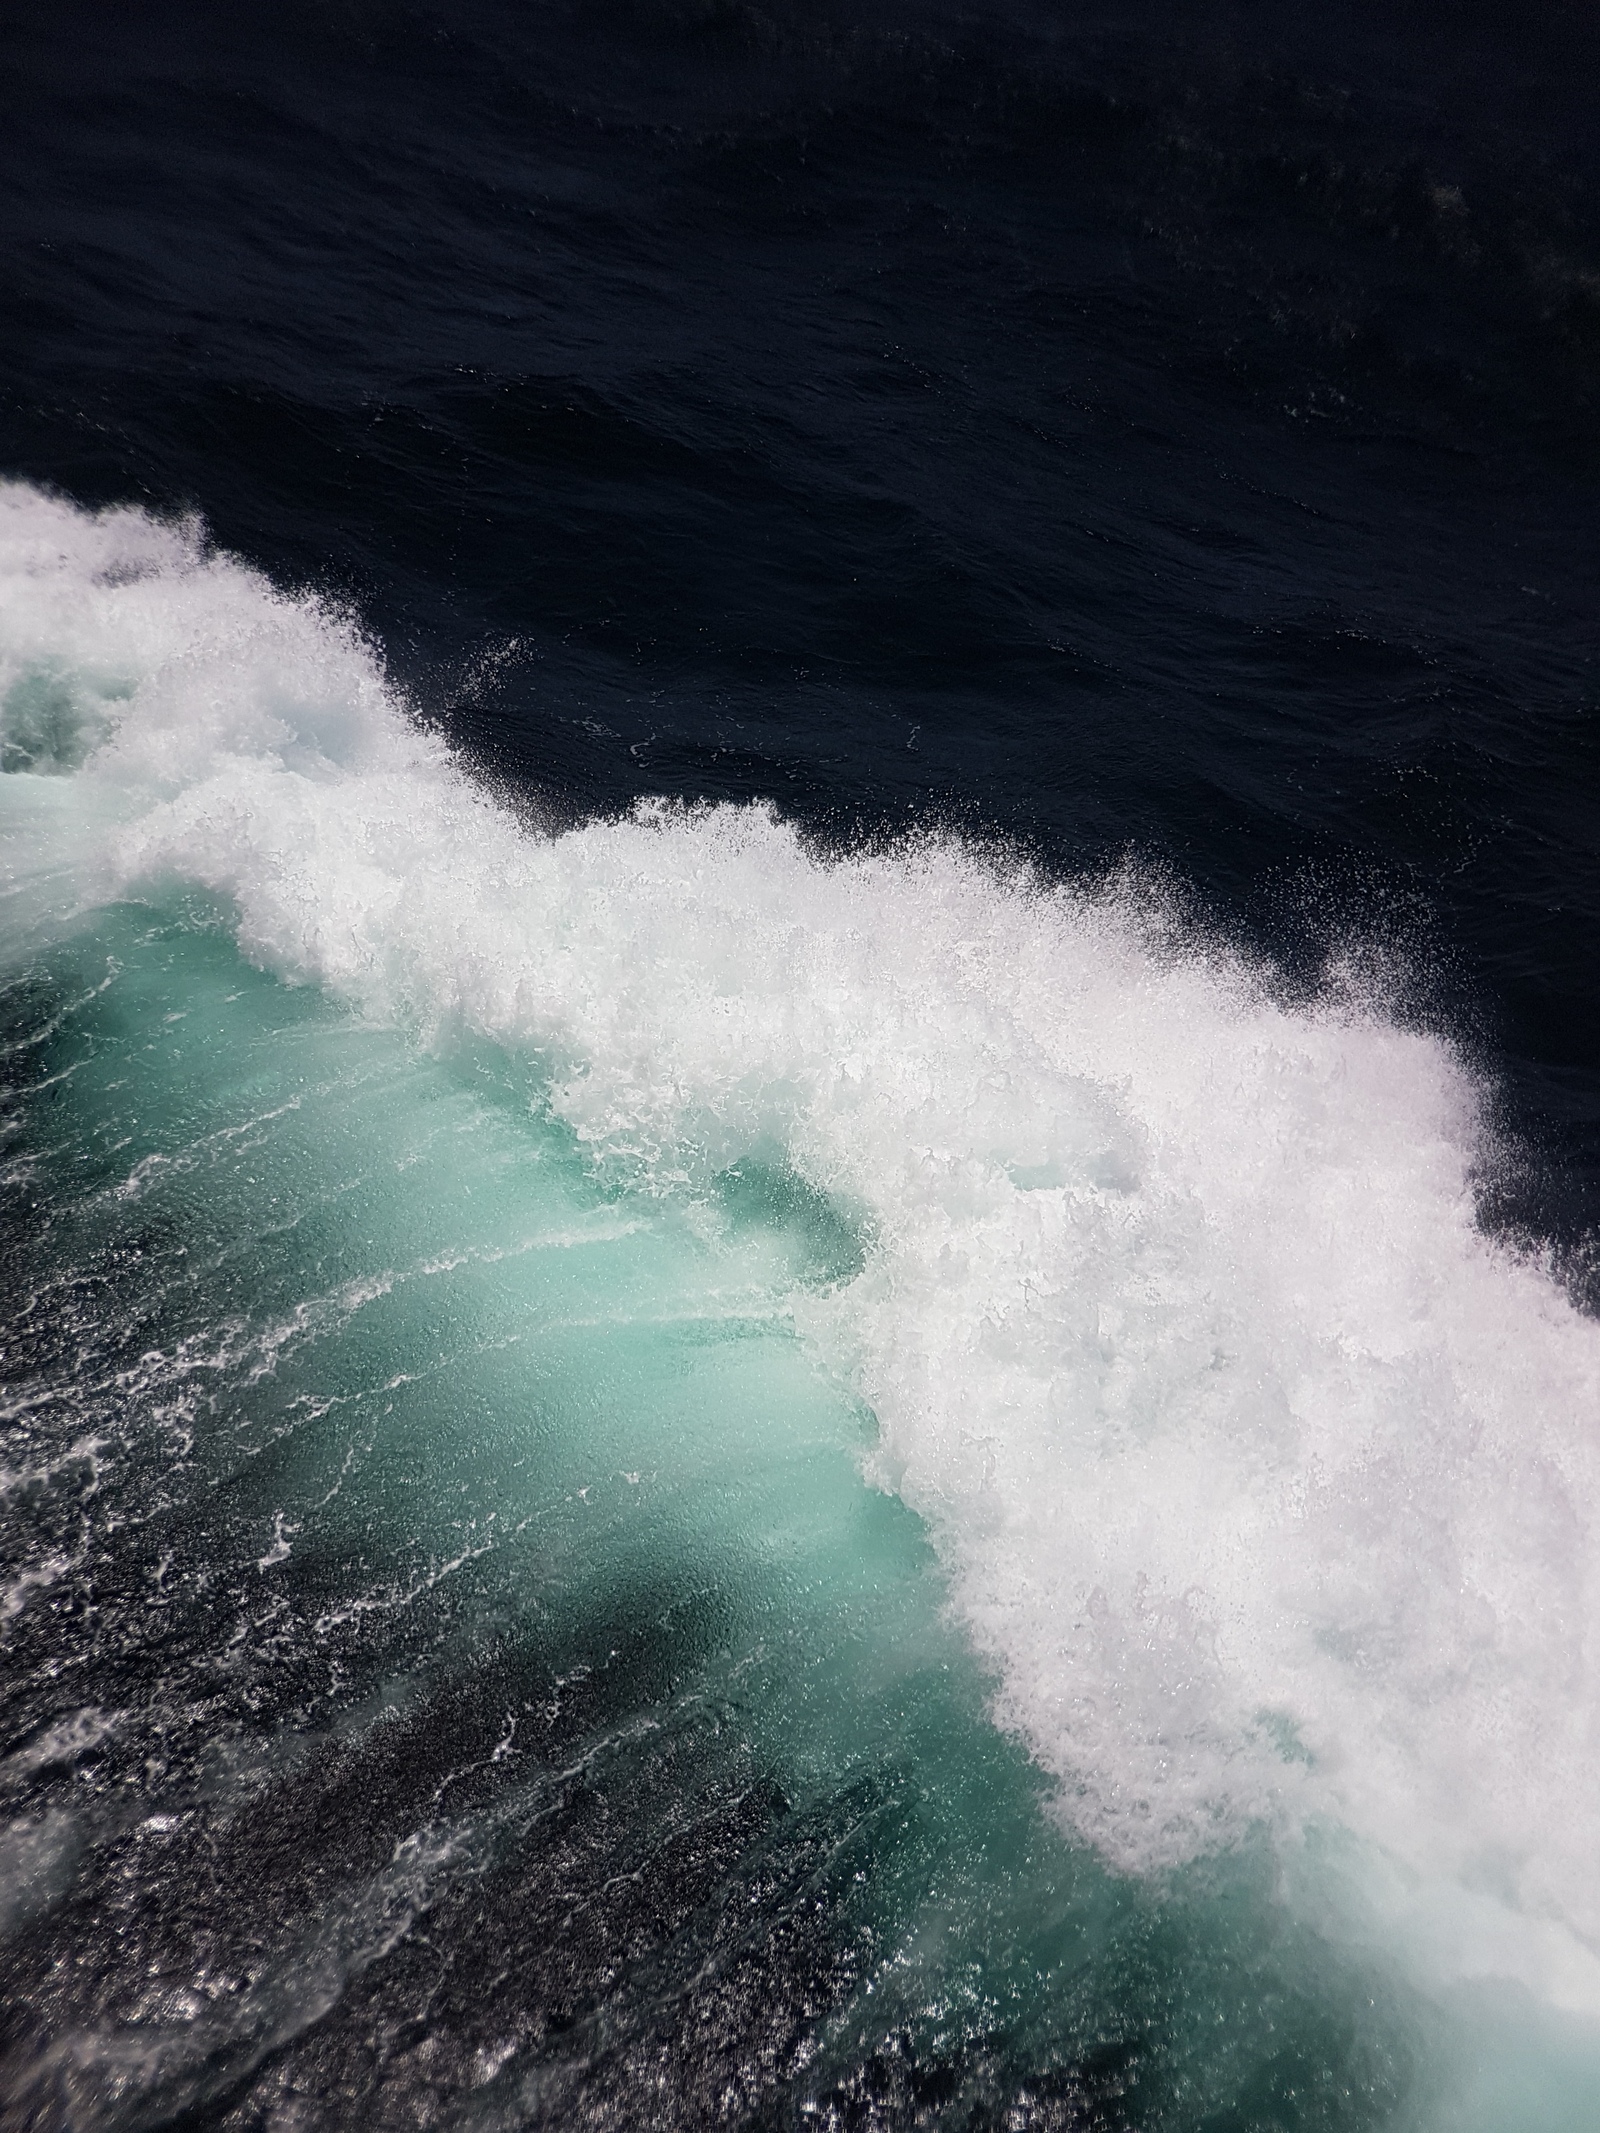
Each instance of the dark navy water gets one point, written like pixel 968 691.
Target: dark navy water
pixel 1171 431
pixel 1162 435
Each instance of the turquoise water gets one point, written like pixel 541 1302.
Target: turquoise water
pixel 581 1547
pixel 412 1451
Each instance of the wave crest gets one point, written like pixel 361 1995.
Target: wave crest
pixel 1268 1484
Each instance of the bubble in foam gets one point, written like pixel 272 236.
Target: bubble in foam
pixel 1267 1483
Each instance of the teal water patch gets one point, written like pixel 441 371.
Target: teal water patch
pixel 455 1667
pixel 51 716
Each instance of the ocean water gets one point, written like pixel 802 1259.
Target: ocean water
pixel 802 1119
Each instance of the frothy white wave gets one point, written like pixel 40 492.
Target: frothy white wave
pixel 1267 1483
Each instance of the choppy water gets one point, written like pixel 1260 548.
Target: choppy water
pixel 802 1105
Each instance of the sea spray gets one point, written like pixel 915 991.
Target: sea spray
pixel 1263 1480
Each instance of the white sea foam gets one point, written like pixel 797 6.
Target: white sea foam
pixel 1269 1486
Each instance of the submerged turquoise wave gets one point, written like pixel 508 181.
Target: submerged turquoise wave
pixel 417 1487
pixel 493 1635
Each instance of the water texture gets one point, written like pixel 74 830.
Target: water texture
pixel 801 1105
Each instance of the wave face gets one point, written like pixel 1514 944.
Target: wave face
pixel 477 1235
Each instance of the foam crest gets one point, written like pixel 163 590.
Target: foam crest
pixel 1268 1484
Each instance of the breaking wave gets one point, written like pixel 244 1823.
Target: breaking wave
pixel 1266 1482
